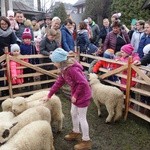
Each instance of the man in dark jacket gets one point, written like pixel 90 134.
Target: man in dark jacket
pixel 95 31
pixel 144 61
pixel 19 16
pixel 105 29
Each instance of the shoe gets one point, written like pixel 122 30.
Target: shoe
pixel 83 145
pixel 73 136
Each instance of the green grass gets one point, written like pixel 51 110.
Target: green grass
pixel 132 134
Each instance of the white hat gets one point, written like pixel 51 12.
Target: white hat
pixel 86 20
pixel 56 18
pixel 14 47
pixel 116 15
pixel 146 49
pixel 10 13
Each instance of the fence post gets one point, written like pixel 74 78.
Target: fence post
pixel 128 86
pixel 78 53
pixel 8 72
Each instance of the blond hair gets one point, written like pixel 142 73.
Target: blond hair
pixel 51 32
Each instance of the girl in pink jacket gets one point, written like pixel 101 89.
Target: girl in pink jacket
pixel 126 51
pixel 14 70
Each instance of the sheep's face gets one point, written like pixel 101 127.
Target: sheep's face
pixel 93 78
pixel 19 105
pixel 5 132
pixel 7 105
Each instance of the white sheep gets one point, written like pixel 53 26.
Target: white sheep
pixel 28 116
pixel 7 104
pixel 110 96
pixel 20 104
pixel 34 136
pixel 6 116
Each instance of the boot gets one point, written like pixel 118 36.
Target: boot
pixel 83 145
pixel 73 136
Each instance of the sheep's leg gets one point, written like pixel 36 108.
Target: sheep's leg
pixel 60 124
pixel 98 107
pixel 111 113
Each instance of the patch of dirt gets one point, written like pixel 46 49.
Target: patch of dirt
pixel 132 134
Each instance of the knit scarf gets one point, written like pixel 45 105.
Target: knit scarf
pixel 5 33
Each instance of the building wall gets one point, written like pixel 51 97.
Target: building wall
pixel 28 2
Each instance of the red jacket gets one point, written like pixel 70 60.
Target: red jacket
pixel 103 64
pixel 16 72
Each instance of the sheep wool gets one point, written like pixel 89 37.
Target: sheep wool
pixel 54 105
pixel 35 136
pixel 28 116
pixel 110 96
pixel 7 104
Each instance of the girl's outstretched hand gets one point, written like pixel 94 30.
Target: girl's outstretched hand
pixel 73 99
pixel 45 99
pixel 137 62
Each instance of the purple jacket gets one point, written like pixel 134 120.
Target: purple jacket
pixel 75 78
pixel 111 39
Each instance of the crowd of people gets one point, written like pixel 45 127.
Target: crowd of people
pixel 49 37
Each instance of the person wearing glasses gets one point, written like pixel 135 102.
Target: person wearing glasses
pixel 7 37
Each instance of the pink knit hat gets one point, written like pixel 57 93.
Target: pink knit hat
pixel 128 48
pixel 26 34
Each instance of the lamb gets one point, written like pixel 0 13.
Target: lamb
pixel 28 116
pixel 7 104
pixel 110 96
pixel 6 116
pixel 35 136
pixel 20 104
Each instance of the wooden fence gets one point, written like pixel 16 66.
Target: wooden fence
pixel 143 80
pixel 38 72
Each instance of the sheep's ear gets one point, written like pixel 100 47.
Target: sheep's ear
pixel 5 133
pixel 14 124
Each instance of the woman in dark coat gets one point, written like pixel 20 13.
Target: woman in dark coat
pixel 83 40
pixel 116 38
pixel 7 37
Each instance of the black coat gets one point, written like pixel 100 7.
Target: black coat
pixel 6 42
pixel 146 59
pixel 103 33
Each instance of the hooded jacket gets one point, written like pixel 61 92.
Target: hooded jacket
pixel 67 39
pixel 74 77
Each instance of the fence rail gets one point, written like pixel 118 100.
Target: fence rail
pixel 143 80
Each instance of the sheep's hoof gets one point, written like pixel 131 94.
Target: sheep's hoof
pixel 107 122
pixel 58 132
pixel 100 115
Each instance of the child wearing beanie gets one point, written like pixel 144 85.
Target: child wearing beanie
pixel 14 70
pixel 126 51
pixel 109 54
pixel 10 16
pixel 28 48
pixel 72 74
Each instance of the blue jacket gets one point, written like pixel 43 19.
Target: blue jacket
pixel 84 43
pixel 67 39
pixel 83 40
pixel 143 42
pixel 29 50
